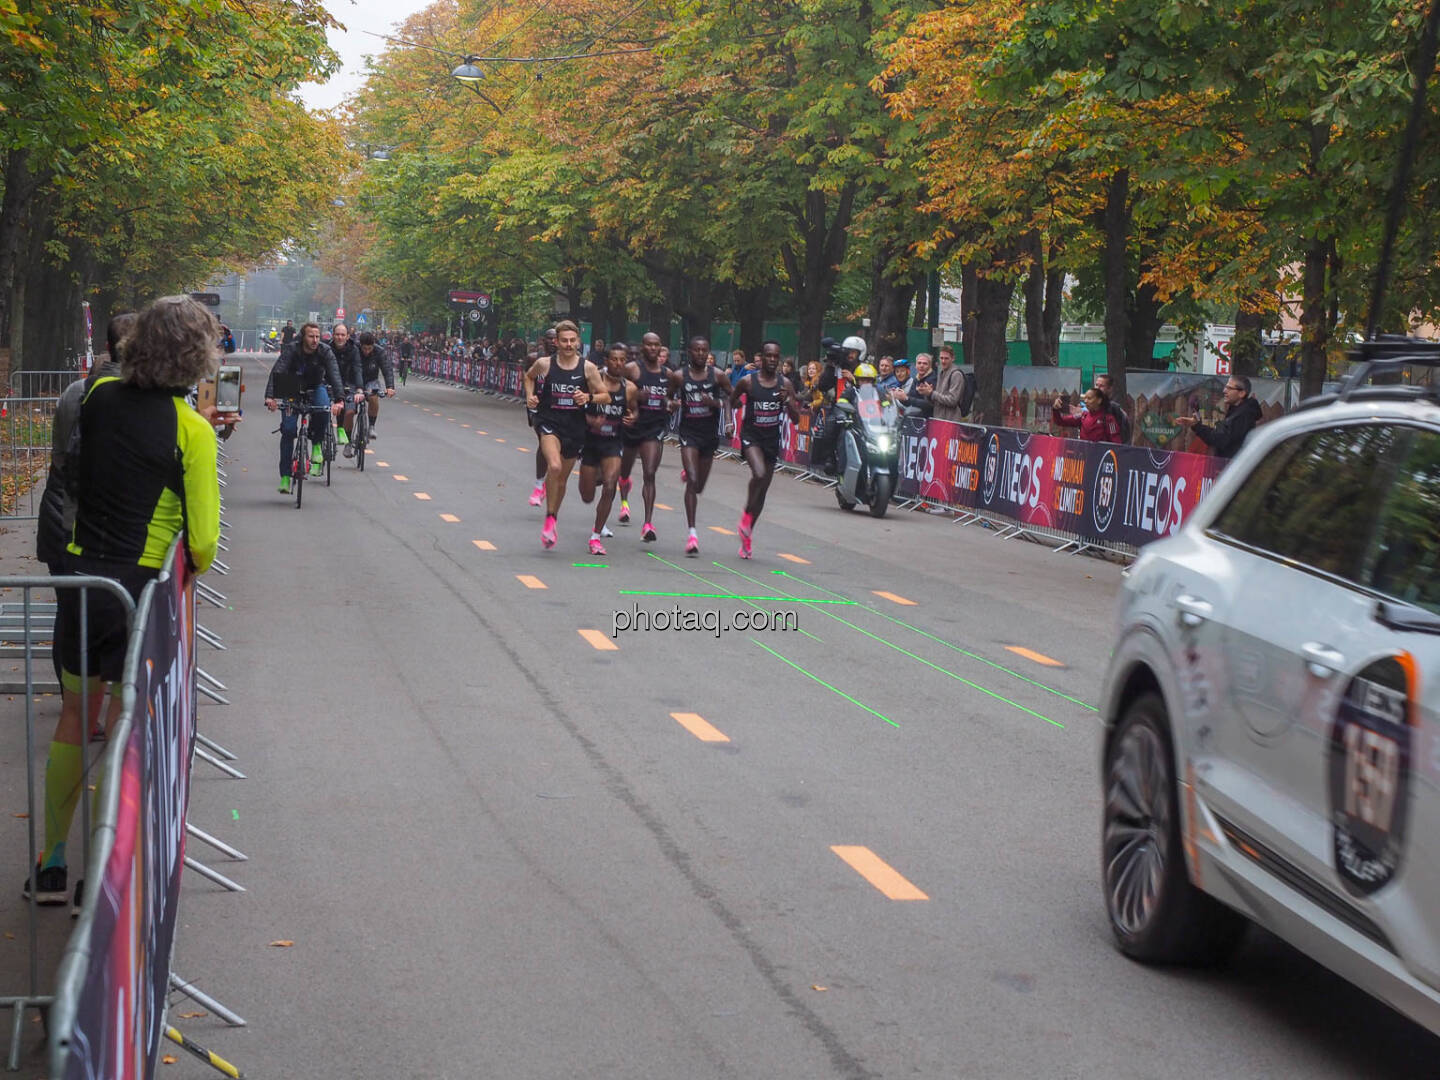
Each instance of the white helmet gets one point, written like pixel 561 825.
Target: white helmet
pixel 857 344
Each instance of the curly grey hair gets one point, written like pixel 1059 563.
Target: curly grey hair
pixel 174 343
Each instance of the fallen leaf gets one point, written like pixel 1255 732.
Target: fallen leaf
pixel 817 986
pixel 168 1059
pixel 9 936
pixel 281 944
pixel 191 1015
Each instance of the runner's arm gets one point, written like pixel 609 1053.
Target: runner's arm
pixel 595 383
pixel 535 372
pixel 738 390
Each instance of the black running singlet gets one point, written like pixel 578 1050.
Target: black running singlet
pixel 654 396
pixel 763 407
pixel 557 397
pixel 699 407
pixel 612 415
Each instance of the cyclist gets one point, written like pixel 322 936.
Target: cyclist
pixel 287 336
pixel 407 354
pixel 371 362
pixel 314 363
pixel 347 352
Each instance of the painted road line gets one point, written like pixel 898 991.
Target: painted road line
pixel 479 432
pixel 464 425
pixel 941 641
pixel 483 545
pixel 599 641
pixel 906 652
pixel 662 506
pixel 522 449
pixel 731 593
pixel 399 477
pixel 383 464
pixel 793 558
pixel 530 581
pixel 369 451
pixel 816 678
pixel 499 440
pixel 893 598
pixel 721 530
pixel 697 726
pixel 878 872
pixel 422 496
pixel 451 518
pixel 1031 654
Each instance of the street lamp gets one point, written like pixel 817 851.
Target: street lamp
pixel 468 72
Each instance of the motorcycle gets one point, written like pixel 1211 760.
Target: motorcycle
pixel 869 450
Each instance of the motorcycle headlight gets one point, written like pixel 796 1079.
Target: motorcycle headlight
pixel 882 443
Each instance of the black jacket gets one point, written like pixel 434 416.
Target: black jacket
pixel 1226 437
pixel 57 504
pixel 345 357
pixel 318 367
pixel 365 371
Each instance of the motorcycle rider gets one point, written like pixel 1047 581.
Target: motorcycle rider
pixel 840 360
pixel 865 375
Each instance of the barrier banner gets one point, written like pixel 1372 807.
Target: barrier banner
pixel 1102 492
pixel 120 1013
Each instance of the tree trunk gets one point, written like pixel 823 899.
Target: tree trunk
pixel 619 319
pixel 969 304
pixel 814 268
pixel 1117 278
pixel 1054 304
pixel 1314 308
pixel 1143 316
pixel 20 186
pixel 1043 350
pixel 890 302
pixel 752 306
pixel 659 314
pixel 600 312
pixel 1246 348
pixel 992 316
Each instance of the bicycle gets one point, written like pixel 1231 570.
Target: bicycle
pixel 300 459
pixel 360 432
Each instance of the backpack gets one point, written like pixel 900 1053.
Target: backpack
pixel 967 395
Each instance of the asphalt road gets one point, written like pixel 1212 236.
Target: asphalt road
pixel 499 853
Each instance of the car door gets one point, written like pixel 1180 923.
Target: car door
pixel 1301 628
pixel 1385 744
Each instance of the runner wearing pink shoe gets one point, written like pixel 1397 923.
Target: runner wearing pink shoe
pixel 600 460
pixel 767 395
pixel 658 388
pixel 703 393
pixel 565 386
pixel 537 496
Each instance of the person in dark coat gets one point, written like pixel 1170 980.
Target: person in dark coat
pixel 1242 413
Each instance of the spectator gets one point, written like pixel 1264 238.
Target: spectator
pixel 952 394
pixel 887 381
pixel 596 355
pixel 146 471
pixel 813 394
pixel 738 360
pixel 904 385
pixel 1106 385
pixel 1097 423
pixel 227 339
pixel 1242 413
pixel 920 398
pixel 788 370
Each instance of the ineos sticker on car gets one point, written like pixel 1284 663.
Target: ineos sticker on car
pixel 1371 744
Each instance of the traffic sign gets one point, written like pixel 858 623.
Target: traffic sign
pixel 209 299
pixel 361 320
pixel 339 312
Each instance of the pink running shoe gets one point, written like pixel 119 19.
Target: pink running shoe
pixel 538 495
pixel 692 546
pixel 745 545
pixel 624 512
pixel 548 536
pixel 647 534
pixel 597 548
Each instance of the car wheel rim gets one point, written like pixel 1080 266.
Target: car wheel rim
pixel 1137 828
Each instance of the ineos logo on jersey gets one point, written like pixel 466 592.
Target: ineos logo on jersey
pixel 992 468
pixel 1103 494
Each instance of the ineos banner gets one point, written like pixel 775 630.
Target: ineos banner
pixel 119 1018
pixel 1103 492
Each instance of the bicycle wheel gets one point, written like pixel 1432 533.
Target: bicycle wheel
pixel 330 445
pixel 299 465
pixel 362 435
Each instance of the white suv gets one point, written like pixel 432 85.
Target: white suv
pixel 1273 705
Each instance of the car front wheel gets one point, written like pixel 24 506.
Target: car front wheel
pixel 1156 913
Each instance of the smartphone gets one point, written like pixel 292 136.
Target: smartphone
pixel 227 388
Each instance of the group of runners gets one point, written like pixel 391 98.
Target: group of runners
pixel 608 415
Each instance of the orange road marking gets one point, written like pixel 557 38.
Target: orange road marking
pixel 530 581
pixel 422 496
pixel 383 464
pixel 697 726
pixel 794 558
pixel 1030 654
pixel 399 477
pixel 522 449
pixel 721 529
pixel 662 506
pixel 464 425
pixel 369 451
pixel 483 545
pixel 878 872
pixel 479 432
pixel 451 518
pixel 599 640
pixel 893 598
pixel 499 440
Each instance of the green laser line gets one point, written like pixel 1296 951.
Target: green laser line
pixel 735 596
pixel 590 566
pixel 697 577
pixel 949 645
pixel 927 663
pixel 822 682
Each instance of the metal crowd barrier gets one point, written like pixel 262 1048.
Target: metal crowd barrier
pixel 26 426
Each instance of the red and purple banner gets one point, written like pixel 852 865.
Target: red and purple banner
pixel 119 1018
pixel 1102 492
